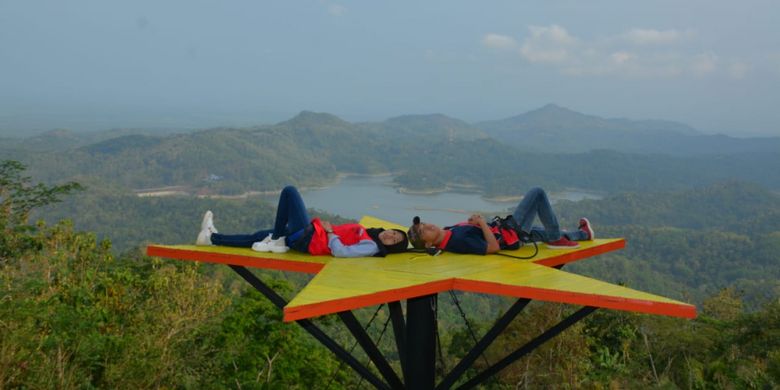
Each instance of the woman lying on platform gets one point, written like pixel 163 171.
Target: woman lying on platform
pixel 294 229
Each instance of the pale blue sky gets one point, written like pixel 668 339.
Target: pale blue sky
pixel 82 64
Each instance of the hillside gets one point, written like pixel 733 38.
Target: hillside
pixel 556 129
pixel 433 127
pixel 685 244
pixel 695 241
pixel 428 152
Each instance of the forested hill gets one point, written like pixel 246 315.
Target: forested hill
pixel 692 242
pixel 549 129
pixel 559 130
pixel 735 206
pixel 429 152
pixel 64 139
pixel 427 127
pixel 683 244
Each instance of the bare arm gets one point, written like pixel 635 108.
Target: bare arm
pixel 492 243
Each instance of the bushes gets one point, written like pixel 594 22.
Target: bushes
pixel 74 316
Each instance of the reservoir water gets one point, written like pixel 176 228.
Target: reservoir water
pixel 355 196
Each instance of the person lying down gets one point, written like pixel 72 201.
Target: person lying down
pixel 293 229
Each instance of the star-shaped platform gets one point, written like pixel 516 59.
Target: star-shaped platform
pixel 347 284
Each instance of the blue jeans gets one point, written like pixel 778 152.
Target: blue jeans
pixel 535 203
pixel 291 217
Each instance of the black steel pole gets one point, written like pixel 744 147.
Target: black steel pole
pixel 421 342
pixel 371 349
pixel 482 345
pixel 530 346
pixel 258 284
pixel 399 329
pixel 313 330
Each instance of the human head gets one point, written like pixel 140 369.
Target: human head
pixel 394 240
pixel 389 241
pixel 423 235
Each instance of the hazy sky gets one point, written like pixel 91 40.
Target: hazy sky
pixel 712 64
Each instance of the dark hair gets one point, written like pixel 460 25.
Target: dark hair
pixel 388 249
pixel 414 234
pixel 400 246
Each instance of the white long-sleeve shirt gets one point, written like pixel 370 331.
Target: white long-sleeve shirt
pixel 363 248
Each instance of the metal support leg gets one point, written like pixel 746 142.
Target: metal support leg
pixel 483 344
pixel 371 349
pixel 421 342
pixel 313 330
pixel 416 341
pixel 530 346
pixel 399 329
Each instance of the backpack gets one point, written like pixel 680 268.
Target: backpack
pixel 508 234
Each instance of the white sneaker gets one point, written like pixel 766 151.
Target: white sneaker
pixel 278 246
pixel 206 229
pixel 262 246
pixel 208 222
pixel 586 227
pixel 204 237
pixel 271 245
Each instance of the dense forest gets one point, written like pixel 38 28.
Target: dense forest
pixel 77 315
pixel 83 307
pixel 684 244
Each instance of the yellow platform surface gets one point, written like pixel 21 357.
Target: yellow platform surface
pixel 346 284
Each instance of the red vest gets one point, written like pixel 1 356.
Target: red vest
pixel 349 233
pixel 507 238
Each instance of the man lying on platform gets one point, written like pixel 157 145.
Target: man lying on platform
pixel 294 229
pixel 475 236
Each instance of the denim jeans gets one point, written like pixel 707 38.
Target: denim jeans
pixel 291 217
pixel 535 203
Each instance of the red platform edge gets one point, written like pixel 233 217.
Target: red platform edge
pixel 313 268
pixel 323 308
pixel 596 300
pixel 580 254
pixel 356 302
pixel 224 258
pixel 617 303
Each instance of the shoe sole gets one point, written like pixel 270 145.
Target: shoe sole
pixel 261 248
pixel 262 245
pixel 561 247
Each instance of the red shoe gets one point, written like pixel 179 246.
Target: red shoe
pixel 562 243
pixel 585 227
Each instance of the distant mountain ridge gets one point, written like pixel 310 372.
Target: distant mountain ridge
pixel 315 120
pixel 548 129
pixel 426 126
pixel 426 152
pixel 553 116
pixel 556 129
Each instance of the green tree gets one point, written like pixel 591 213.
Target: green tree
pixel 18 197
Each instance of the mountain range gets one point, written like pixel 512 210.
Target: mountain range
pixel 549 129
pixel 557 129
pixel 426 152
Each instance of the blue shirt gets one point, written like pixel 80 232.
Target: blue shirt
pixel 466 239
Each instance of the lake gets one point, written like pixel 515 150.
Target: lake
pixel 355 196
